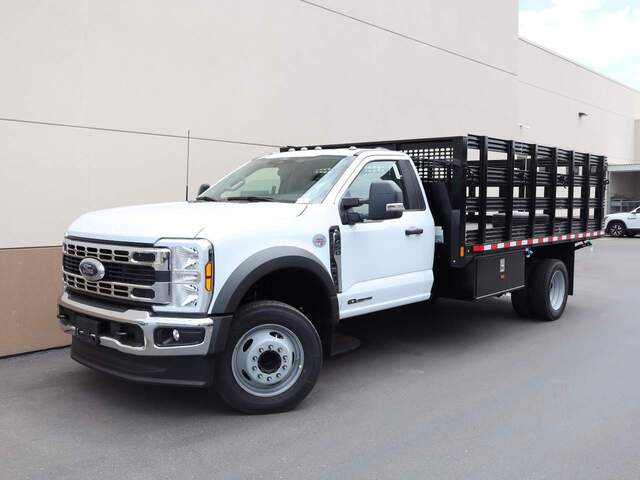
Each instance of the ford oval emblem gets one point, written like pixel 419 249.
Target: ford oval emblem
pixel 91 269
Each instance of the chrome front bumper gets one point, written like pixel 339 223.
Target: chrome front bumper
pixel 143 319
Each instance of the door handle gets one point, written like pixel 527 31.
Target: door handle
pixel 413 231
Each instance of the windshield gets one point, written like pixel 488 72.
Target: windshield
pixel 281 179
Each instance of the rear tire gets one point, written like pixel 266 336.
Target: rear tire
pixel 521 299
pixel 521 304
pixel 617 229
pixel 548 289
pixel 272 361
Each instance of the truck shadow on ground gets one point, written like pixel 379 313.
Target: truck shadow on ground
pixel 444 328
pixel 445 321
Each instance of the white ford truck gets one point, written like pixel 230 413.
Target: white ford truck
pixel 243 287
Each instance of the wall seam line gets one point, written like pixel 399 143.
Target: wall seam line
pixel 524 82
pixel 134 132
pixel 577 64
pixel 407 37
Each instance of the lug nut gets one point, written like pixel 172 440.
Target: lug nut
pixel 261 349
pixel 277 375
pixel 268 379
pixel 255 358
pixel 284 358
pixel 254 368
pixel 284 367
pixel 279 349
pixel 259 375
pixel 270 347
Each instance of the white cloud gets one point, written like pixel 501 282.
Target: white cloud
pixel 588 32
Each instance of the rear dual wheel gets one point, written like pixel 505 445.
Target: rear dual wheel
pixel 546 292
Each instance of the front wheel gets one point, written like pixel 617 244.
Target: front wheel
pixel 617 229
pixel 273 359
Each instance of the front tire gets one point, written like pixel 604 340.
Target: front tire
pixel 549 289
pixel 272 361
pixel 617 229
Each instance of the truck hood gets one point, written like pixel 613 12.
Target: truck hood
pixel 149 223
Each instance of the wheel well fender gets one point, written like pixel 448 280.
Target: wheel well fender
pixel 263 263
pixel 617 220
pixel 564 252
pixel 270 262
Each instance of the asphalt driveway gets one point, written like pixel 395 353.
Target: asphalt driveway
pixel 457 390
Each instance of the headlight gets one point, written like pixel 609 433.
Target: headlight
pixel 191 275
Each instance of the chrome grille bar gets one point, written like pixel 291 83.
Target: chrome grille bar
pixel 153 292
pixel 159 257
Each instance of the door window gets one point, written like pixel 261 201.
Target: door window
pixel 372 172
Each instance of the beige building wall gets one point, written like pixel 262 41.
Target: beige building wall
pixel 97 100
pixel 241 72
pixel 552 90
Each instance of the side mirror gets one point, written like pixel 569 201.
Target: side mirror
pixel 203 188
pixel 349 217
pixel 385 200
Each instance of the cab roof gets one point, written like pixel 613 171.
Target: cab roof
pixel 305 152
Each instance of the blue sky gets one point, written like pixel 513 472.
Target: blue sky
pixel 601 34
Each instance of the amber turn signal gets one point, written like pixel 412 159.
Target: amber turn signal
pixel 208 276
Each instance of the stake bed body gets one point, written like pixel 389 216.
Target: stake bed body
pixel 489 194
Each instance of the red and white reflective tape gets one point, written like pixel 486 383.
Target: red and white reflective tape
pixel 537 241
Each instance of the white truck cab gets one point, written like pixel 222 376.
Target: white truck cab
pixel 243 287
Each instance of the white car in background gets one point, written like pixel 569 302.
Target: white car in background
pixel 623 224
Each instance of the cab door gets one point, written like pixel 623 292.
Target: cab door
pixel 386 263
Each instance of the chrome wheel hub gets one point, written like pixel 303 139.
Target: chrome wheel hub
pixel 557 290
pixel 267 360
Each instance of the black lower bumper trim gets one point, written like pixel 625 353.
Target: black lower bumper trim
pixel 191 371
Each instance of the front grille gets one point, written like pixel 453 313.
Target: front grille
pixel 102 288
pixel 116 272
pixel 139 274
pixel 97 251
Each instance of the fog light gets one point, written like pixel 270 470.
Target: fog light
pixel 173 337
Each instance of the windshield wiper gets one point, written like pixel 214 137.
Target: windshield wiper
pixel 250 199
pixel 206 199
